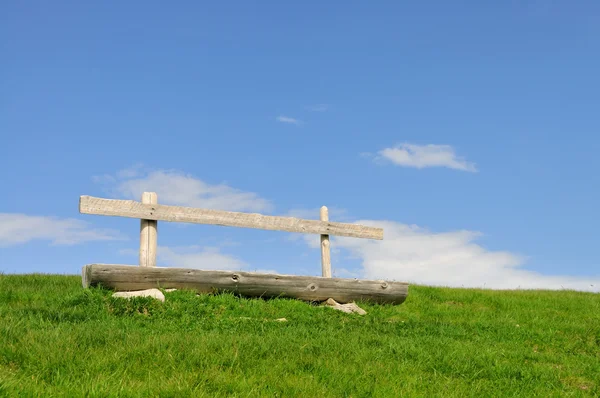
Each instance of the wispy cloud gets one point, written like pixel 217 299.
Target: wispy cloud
pixel 130 172
pixel 16 228
pixel 318 107
pixel 198 257
pixel 176 188
pixel 421 156
pixel 415 255
pixel 287 119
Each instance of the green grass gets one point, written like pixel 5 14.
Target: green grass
pixel 58 339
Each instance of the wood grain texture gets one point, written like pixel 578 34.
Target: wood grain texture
pixel 325 247
pixel 133 209
pixel 309 288
pixel 148 234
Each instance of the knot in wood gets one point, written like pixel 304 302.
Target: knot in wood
pixel 384 285
pixel 235 277
pixel 312 287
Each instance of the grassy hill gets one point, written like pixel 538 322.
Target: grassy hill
pixel 57 339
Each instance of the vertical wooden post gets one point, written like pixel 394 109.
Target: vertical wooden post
pixel 148 234
pixel 325 250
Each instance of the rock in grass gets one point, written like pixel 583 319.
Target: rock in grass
pixel 349 307
pixel 154 293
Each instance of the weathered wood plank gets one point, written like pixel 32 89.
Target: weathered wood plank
pixel 148 235
pixel 325 248
pixel 309 288
pixel 134 209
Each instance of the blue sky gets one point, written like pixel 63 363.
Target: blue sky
pixel 469 131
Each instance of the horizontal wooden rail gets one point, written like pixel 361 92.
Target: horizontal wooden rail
pixel 252 284
pixel 134 209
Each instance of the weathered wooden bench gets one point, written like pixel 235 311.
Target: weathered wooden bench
pixel 311 288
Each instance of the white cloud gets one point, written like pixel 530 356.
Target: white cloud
pixel 130 172
pixel 198 257
pixel 18 229
pixel 286 119
pixel 318 107
pixel 421 156
pixel 209 258
pixel 176 188
pixel 415 255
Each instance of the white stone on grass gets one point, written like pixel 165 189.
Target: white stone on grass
pixel 154 293
pixel 348 308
